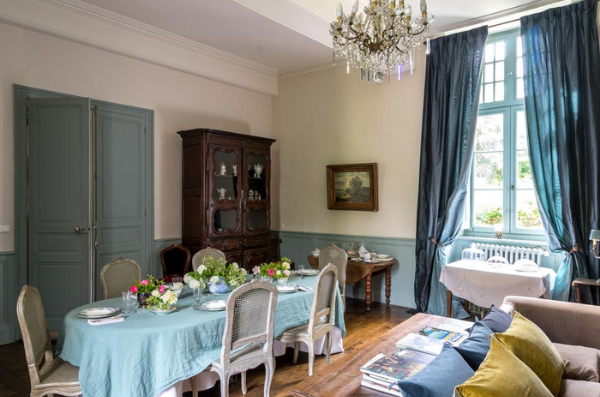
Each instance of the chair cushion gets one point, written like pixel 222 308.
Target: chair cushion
pixel 476 346
pixel 581 363
pixel 579 388
pixel 529 343
pixel 440 377
pixel 497 320
pixel 502 374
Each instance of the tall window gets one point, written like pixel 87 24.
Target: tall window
pixel 502 194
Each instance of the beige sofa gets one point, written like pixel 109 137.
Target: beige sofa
pixel 575 331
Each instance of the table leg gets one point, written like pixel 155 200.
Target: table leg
pixel 388 284
pixel 578 293
pixel 449 303
pixel 368 292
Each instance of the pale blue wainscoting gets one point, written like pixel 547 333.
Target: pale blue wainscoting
pixel 298 245
pixel 552 261
pixel 155 268
pixel 9 291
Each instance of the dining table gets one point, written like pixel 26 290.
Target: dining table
pixel 152 355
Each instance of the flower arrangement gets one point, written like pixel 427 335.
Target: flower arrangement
pixel 212 270
pixel 162 298
pixel 276 270
pixel 146 286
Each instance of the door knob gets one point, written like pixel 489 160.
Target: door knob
pixel 77 229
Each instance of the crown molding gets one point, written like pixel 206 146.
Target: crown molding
pixel 309 67
pixel 87 24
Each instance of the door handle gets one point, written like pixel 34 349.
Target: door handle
pixel 77 229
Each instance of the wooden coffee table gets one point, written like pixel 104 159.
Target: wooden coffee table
pixel 343 377
pixel 356 271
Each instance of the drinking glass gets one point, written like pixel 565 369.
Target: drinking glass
pixel 132 303
pixel 197 298
pixel 126 295
pixel 176 280
pixel 301 271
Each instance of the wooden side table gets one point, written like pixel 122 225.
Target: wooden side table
pixel 583 281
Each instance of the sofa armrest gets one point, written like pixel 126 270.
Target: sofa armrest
pixel 563 322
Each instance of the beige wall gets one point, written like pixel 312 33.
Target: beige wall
pixel 329 117
pixel 180 101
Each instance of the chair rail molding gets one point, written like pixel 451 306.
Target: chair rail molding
pixel 93 26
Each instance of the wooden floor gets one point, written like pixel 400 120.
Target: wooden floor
pixel 360 328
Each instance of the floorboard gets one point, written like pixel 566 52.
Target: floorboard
pixel 360 329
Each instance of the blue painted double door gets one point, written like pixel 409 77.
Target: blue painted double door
pixel 89 196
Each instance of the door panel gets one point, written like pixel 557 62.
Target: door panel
pixel 59 201
pixel 121 205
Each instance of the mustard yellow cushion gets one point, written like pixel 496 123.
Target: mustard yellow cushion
pixel 529 343
pixel 502 374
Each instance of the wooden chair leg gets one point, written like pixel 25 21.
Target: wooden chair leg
pixel 296 348
pixel 194 387
pixel 449 304
pixel 311 358
pixel 244 388
pixel 224 385
pixel 328 341
pixel 269 369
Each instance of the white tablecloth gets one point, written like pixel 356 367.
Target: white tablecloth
pixel 480 283
pixel 206 380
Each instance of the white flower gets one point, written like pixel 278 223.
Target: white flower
pixel 278 272
pixel 187 278
pixel 244 272
pixel 155 292
pixel 202 284
pixel 169 298
pixel 235 265
pixel 177 286
pixel 214 279
pixel 286 265
pixel 194 284
pixel 201 269
pixel 233 283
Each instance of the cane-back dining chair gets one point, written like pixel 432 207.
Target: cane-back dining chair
pixel 175 260
pixel 118 276
pixel 54 376
pixel 321 318
pixel 249 327
pixel 206 252
pixel 338 257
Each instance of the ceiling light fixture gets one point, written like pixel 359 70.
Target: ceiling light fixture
pixel 382 42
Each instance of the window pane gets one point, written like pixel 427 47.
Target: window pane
pixel 524 178
pixel 521 130
pixel 489 73
pixel 489 53
pixel 499 71
pixel 481 94
pixel 500 46
pixel 499 92
pixel 488 170
pixel 528 215
pixel 520 89
pixel 487 205
pixel 519 47
pixel 519 67
pixel 489 134
pixel 489 93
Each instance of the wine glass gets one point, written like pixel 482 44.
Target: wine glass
pixel 176 280
pixel 197 298
pixel 126 295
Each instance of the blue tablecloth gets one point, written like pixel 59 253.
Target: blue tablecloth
pixel 147 353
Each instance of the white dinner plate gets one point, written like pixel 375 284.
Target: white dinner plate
pixel 372 261
pixel 309 272
pixel 214 306
pixel 161 312
pixel 356 259
pixel 97 312
pixel 287 289
pixel 382 256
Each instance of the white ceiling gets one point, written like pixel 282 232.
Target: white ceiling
pixel 285 34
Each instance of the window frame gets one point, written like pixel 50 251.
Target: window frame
pixel 509 107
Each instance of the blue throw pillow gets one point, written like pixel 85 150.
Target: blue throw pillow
pixel 440 377
pixel 497 320
pixel 476 346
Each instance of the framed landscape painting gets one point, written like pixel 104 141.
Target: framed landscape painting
pixel 352 187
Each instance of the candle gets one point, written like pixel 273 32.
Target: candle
pixel 340 10
pixel 423 6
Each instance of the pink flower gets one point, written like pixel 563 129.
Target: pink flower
pixel 271 272
pixel 161 289
pixel 144 282
pixel 133 290
pixel 287 273
pixel 256 270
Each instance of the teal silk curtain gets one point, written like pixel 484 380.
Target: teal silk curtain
pixel 562 103
pixel 452 82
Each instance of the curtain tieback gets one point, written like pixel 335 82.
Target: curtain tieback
pixel 574 250
pixel 434 242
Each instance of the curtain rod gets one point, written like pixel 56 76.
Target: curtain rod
pixel 518 19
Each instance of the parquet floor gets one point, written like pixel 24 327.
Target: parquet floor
pixel 360 329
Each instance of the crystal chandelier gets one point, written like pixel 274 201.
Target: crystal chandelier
pixel 381 42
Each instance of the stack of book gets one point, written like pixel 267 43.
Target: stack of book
pixel 415 351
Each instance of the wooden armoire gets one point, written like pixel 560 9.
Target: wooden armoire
pixel 226 194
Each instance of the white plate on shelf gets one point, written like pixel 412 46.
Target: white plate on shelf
pixel 161 312
pixel 98 312
pixel 287 289
pixel 214 306
pixel 356 259
pixel 383 256
pixel 373 261
pixel 309 272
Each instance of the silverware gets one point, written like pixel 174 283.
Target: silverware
pixel 106 318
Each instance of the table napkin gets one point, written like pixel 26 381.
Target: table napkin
pixel 302 288
pixel 104 321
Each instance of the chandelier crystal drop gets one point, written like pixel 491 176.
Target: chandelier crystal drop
pixel 381 41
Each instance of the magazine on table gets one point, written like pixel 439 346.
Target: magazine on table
pixel 449 336
pixel 421 343
pixel 401 365
pixel 381 387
